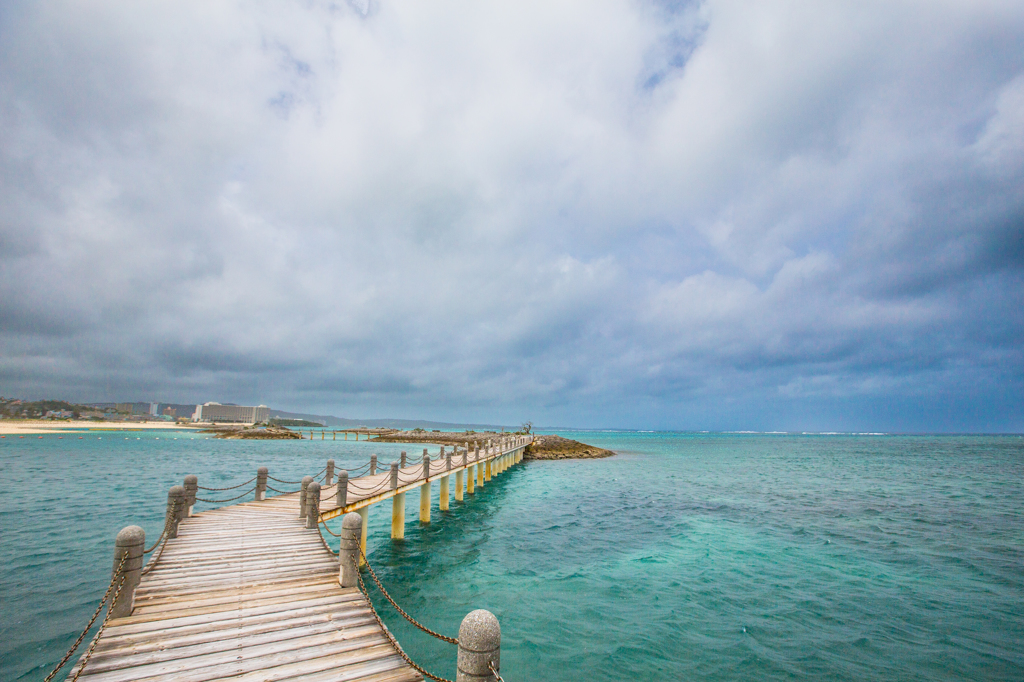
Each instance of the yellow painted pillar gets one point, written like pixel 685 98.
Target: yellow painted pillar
pixel 425 502
pixel 471 479
pixel 365 513
pixel 398 517
pixel 480 474
pixel 487 469
pixel 334 435
pixel 323 435
pixel 459 483
pixel 443 502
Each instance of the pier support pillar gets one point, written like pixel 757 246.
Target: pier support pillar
pixel 191 490
pixel 128 546
pixel 348 553
pixel 480 475
pixel 459 484
pixel 425 502
pixel 398 517
pixel 479 648
pixel 471 479
pixel 487 469
pixel 364 514
pixel 444 495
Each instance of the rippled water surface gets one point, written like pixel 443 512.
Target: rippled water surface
pixel 697 556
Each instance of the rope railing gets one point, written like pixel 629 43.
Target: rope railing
pixel 95 615
pixel 230 487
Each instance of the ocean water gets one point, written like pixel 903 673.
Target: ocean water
pixel 687 556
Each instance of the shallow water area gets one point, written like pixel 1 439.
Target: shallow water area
pixel 704 556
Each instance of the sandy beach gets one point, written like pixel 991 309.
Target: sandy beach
pixel 27 427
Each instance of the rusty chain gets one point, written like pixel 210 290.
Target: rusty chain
pixel 391 638
pixel 95 615
pixel 424 628
pixel 103 625
pixel 230 487
pixel 230 499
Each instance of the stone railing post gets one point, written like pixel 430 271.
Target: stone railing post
pixel 479 647
pixel 404 459
pixel 448 461
pixel 329 478
pixel 261 483
pixel 426 465
pixel 306 480
pixel 312 504
pixel 129 546
pixel 465 455
pixel 191 490
pixel 394 475
pixel 342 496
pixel 348 553
pixel 373 464
pixel 175 503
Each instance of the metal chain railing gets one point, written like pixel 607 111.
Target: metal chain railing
pixel 494 672
pixel 230 499
pixel 231 487
pixel 92 644
pixel 282 492
pixel 391 638
pixel 424 628
pixel 95 615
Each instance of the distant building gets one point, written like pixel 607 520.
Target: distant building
pixel 235 414
pixel 170 412
pixel 154 409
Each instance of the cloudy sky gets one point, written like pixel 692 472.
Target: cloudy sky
pixel 730 214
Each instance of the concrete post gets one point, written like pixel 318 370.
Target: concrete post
pixel 444 496
pixel 441 456
pixel 425 502
pixel 364 514
pixel 341 498
pixel 480 474
pixel 329 478
pixel 459 483
pixel 398 517
pixel 465 455
pixel 471 479
pixel 306 480
pixel 373 464
pixel 404 459
pixel 479 647
pixel 261 483
pixel 426 465
pixel 448 462
pixel 488 469
pixel 191 490
pixel 348 553
pixel 312 504
pixel 394 475
pixel 175 500
pixel 425 453
pixel 129 544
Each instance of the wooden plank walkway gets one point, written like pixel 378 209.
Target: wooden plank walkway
pixel 246 593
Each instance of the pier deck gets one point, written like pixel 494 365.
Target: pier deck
pixel 248 593
pixel 251 592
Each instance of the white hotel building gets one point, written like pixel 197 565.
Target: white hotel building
pixel 234 414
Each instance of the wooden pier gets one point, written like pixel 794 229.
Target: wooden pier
pixel 253 592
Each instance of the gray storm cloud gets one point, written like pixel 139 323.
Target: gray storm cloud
pixel 724 214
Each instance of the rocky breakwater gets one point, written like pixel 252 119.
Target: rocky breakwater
pixel 556 447
pixel 253 433
pixel 543 447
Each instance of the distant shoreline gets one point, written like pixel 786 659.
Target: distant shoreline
pixel 26 427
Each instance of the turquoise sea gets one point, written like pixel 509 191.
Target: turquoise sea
pixel 687 556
